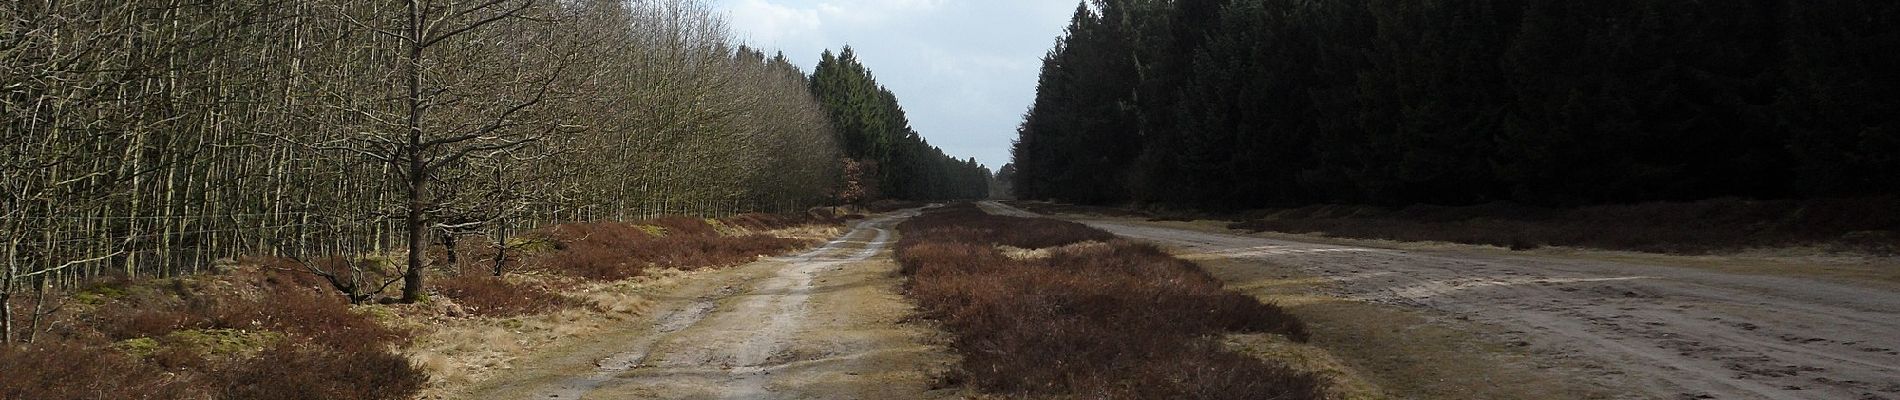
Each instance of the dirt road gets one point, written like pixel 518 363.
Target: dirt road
pixel 1641 331
pixel 827 324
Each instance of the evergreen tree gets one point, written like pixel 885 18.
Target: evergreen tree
pixel 875 132
pixel 1247 103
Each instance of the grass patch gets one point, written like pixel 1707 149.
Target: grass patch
pixel 1119 320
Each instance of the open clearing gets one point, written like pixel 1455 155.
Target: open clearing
pixel 1633 330
pixel 829 323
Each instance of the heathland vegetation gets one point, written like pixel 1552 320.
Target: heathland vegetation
pixel 1049 308
pixel 199 194
pixel 267 328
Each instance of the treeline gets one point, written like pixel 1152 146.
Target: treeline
pixel 889 159
pixel 1226 104
pixel 152 137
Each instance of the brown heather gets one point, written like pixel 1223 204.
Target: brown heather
pixel 1121 321
pixel 271 330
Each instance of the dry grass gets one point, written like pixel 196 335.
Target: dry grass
pixel 1378 351
pixel 460 352
pixel 1022 254
pixel 1121 320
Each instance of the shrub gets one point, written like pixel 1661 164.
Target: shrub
pixel 494 296
pixel 613 251
pixel 213 336
pixel 291 372
pixel 761 221
pixel 1122 320
pixel 65 370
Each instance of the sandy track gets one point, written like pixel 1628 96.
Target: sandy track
pixel 1643 331
pixel 823 324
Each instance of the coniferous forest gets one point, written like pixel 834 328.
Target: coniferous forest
pixel 1226 104
pixel 889 159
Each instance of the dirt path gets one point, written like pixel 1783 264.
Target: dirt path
pixel 824 324
pixel 1641 331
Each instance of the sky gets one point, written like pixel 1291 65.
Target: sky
pixel 964 70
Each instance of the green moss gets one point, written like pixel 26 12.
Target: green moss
pixel 377 312
pixel 652 230
pixel 137 347
pixel 108 291
pixel 512 323
pixel 530 244
pixel 223 342
pixel 209 342
pixel 104 293
pixel 379 263
pixel 722 228
pixel 91 299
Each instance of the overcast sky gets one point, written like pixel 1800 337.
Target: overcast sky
pixel 964 70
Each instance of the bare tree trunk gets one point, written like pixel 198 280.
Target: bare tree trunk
pixel 448 247
pixel 6 291
pixel 501 244
pixel 39 307
pixel 418 238
pixel 418 164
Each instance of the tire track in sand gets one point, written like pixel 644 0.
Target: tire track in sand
pixel 1643 331
pixel 807 326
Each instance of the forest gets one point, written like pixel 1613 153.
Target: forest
pixel 897 162
pixel 1234 104
pixel 158 138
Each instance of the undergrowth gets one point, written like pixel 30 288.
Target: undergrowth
pixel 618 250
pixel 1122 320
pixel 257 333
pixel 270 329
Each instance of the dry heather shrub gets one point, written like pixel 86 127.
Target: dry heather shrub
pixel 68 370
pixel 291 372
pixel 971 224
pixel 493 296
pixel 684 226
pixel 761 221
pixel 271 300
pixel 614 251
pixel 303 328
pixel 1121 320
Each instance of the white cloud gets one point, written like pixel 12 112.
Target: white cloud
pixel 965 69
pixel 768 22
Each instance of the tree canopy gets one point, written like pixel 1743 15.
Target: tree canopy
pixel 1228 104
pixel 873 130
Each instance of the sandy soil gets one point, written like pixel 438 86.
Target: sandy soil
pixel 829 323
pixel 1640 330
